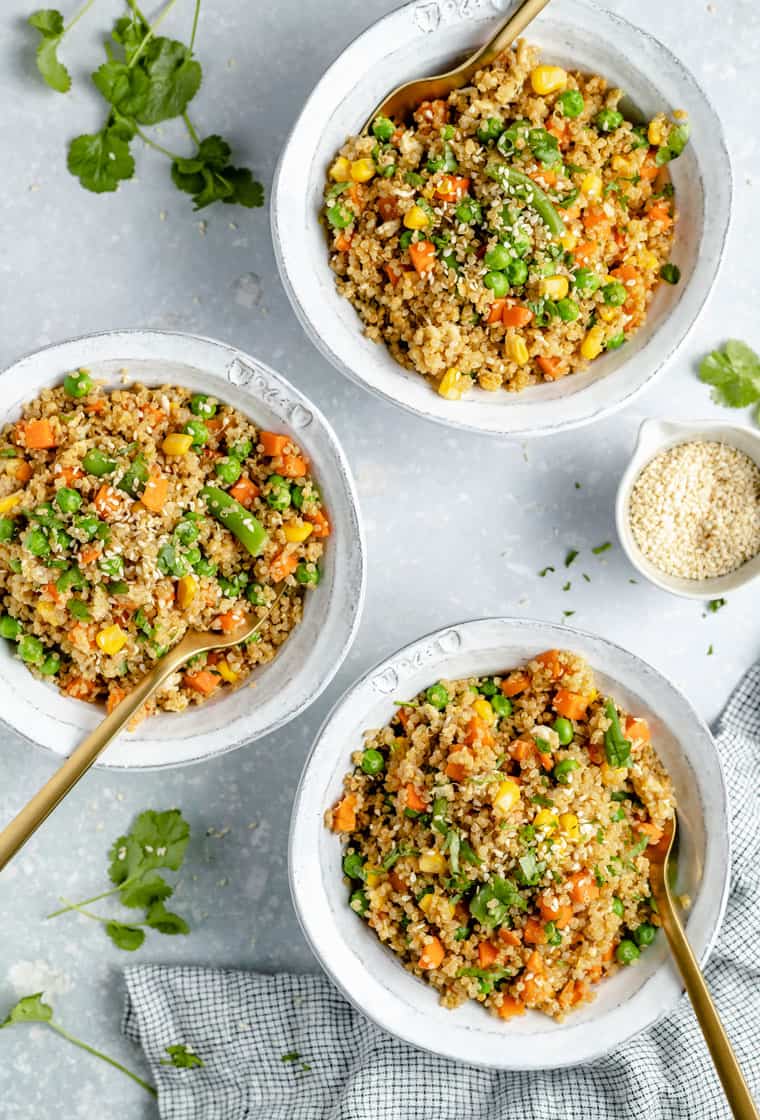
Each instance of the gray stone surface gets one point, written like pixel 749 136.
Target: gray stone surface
pixel 456 526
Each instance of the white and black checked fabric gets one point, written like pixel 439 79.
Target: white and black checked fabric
pixel 242 1024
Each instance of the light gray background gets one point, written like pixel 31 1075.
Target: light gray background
pixel 456 526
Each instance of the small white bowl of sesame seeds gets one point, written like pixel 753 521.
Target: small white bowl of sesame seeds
pixel 688 507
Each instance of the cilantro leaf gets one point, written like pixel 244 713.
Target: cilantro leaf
pixel 30 1009
pixel 158 917
pixel 208 177
pixel 174 78
pixel 182 1056
pixel 124 87
pixel 163 836
pixel 125 937
pixel 247 191
pixel 488 977
pixel 129 32
pixel 126 859
pixel 492 902
pixel 142 894
pixel 100 160
pixel 49 23
pixel 734 374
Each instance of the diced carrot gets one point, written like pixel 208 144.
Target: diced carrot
pixel 344 814
pixel 521 750
pixel 534 933
pixel 431 113
pixel 530 992
pixel 432 955
pixel 343 241
pixel 580 993
pixel 95 406
pixel 201 680
pixel 456 771
pixel 283 565
pixel 488 954
pixel 115 696
pixel 509 936
pixel 620 239
pixel 565 997
pixel 535 963
pixel 637 729
pixel 552 367
pixel 559 130
pixel 402 715
pixel 294 466
pixel 515 315
pixel 273 443
pixel 215 423
pixel 546 175
pixel 553 911
pixel 658 212
pixel 396 137
pixel 244 491
pixel 23 471
pixel 81 689
pixel 154 494
pixel 393 274
pixel 387 207
pixel 593 217
pixel 585 251
pixel 626 273
pixel 89 553
pixel 649 169
pixel 550 660
pixel 651 831
pixel 38 435
pixel 413 799
pixel 107 501
pixel 572 705
pixel 595 973
pixel 515 684
pixel 229 621
pixel 609 952
pixel 71 474
pixel 423 256
pixel 509 1007
pixel 358 197
pixel 496 310
pixel 477 733
pixel 157 415
pixel 452 187
pixel 52 592
pixel 583 888
pixel 320 523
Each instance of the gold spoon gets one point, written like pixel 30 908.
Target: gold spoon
pixel 16 834
pixel 402 100
pixel 724 1059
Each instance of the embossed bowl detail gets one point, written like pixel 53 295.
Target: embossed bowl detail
pixel 372 978
pixel 314 651
pixel 422 38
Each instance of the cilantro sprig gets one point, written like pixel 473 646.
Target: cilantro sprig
pixel 33 1009
pixel 157 841
pixel 734 373
pixel 146 79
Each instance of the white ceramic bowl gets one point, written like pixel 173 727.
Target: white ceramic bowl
pixel 421 38
pixel 372 978
pixel 656 436
pixel 313 653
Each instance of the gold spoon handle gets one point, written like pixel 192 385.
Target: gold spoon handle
pixel 729 1072
pixel 506 35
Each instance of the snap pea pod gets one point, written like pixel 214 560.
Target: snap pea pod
pixel 523 187
pixel 236 518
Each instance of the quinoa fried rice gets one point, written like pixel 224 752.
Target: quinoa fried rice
pixel 496 835
pixel 131 516
pixel 509 234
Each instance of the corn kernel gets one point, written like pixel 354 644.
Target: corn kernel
pixel 10 501
pixel 569 826
pixel 452 385
pixel 484 710
pixel 416 218
pixel 47 610
pixel 593 343
pixel 340 170
pixel 624 166
pixel 655 134
pixel 544 818
pixel 298 533
pixel 177 443
pixel 592 185
pixel 111 639
pixel 613 776
pixel 555 287
pixel 226 672
pixel 432 863
pixel 607 314
pixel 648 260
pixel 426 902
pixel 507 796
pixel 517 350
pixel 362 170
pixel 372 876
pixel 548 79
pixel 568 241
pixel 187 589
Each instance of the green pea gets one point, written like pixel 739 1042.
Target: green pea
pixel 563 770
pixel 502 705
pixel 372 762
pixel 7 527
pixel 618 907
pixel 627 952
pixel 186 531
pixel 203 406
pixel 615 342
pixel 9 627
pixel 670 273
pixel 383 128
pixel 242 449
pixel 97 463
pixel 359 903
pixel 553 935
pixel 68 500
pixel 469 211
pixel 278 496
pixel 77 384
pixel 37 543
pixel 353 866
pixel 614 294
pixel 172 563
pixel 135 477
pixel 31 649
pixel 571 102
pixel 227 470
pixel 70 580
pixel 198 430
pixel 564 729
pixel 644 934
pixel 255 594
pixel 204 567
pixel 497 282
pixel 607 120
pixel 568 310
pixel 586 281
pixel 517 272
pixel 340 216
pixel 447 132
pixel 112 566
pixel 78 609
pixel 438 696
pixel 193 555
pixel 50 665
pixel 488 687
pixel 498 257
pixel 490 130
pixel 308 576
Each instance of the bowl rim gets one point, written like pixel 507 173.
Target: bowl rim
pixel 658 434
pixel 358 552
pixel 280 221
pixel 399 1029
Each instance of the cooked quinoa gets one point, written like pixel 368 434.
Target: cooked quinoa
pixel 495 836
pixel 695 510
pixel 131 516
pixel 509 234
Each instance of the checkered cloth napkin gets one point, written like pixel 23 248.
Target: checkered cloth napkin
pixel 242 1025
